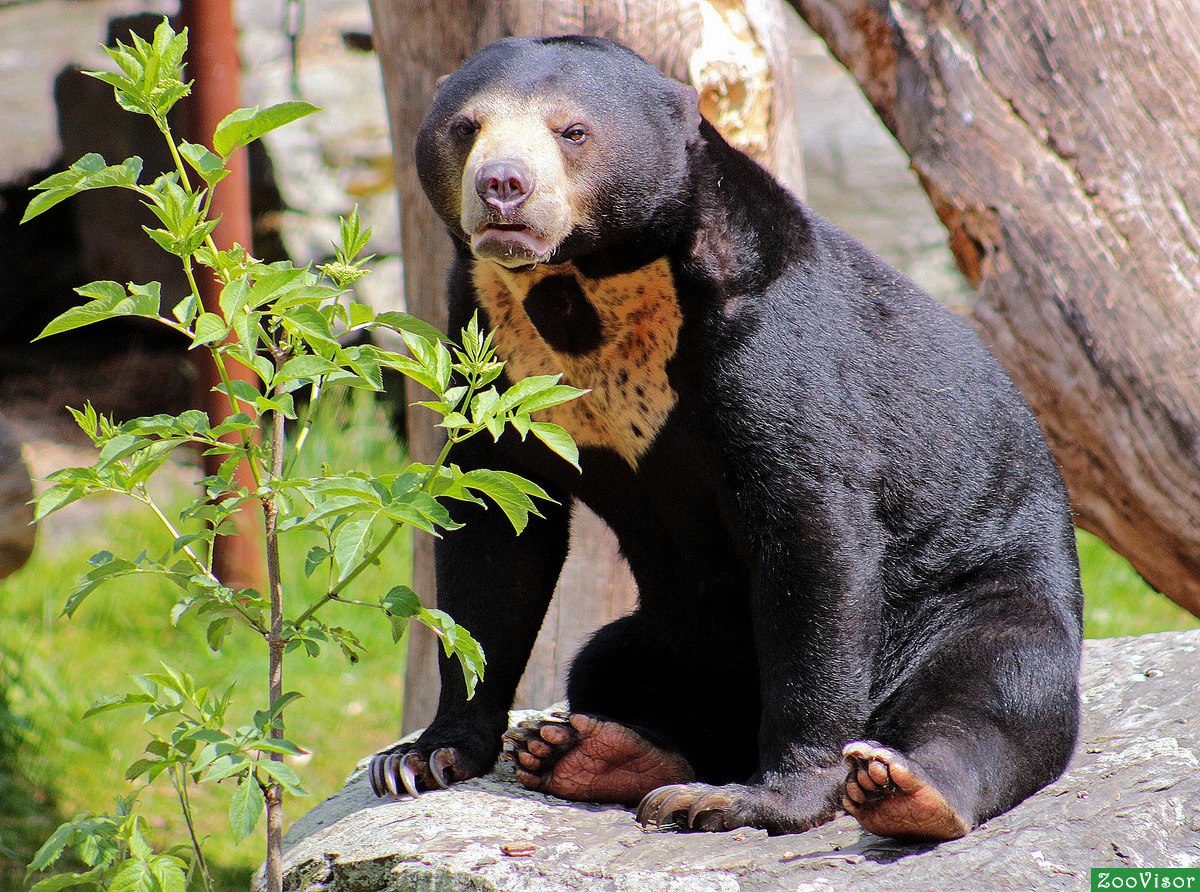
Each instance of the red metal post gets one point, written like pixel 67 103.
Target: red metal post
pixel 214 65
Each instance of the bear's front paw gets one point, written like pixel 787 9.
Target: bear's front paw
pixel 416 767
pixel 406 769
pixel 689 806
pixel 714 809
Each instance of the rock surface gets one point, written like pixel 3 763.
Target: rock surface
pixel 17 533
pixel 1130 798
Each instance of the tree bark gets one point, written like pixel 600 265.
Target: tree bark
pixel 738 55
pixel 1060 144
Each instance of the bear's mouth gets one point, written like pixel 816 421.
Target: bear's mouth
pixel 510 244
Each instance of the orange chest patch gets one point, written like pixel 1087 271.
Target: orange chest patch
pixel 613 336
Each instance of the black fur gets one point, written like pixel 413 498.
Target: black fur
pixel 562 315
pixel 849 527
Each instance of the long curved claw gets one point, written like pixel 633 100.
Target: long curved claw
pixel 676 803
pixel 516 736
pixel 649 810
pixel 408 774
pixel 389 774
pixel 442 758
pixel 708 811
pixel 376 773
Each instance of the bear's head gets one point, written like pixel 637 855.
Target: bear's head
pixel 542 150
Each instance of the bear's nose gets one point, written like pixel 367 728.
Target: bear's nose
pixel 504 184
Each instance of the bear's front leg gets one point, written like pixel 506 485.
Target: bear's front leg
pixel 497 585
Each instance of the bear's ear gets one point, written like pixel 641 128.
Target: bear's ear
pixel 688 101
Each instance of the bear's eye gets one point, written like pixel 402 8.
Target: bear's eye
pixel 575 134
pixel 463 128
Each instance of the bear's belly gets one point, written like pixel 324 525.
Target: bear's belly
pixel 613 336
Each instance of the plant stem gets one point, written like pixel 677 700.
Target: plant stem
pixel 234 407
pixel 275 647
pixel 305 425
pixel 185 804
pixel 165 128
pixel 145 498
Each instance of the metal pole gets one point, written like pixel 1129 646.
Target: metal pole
pixel 214 65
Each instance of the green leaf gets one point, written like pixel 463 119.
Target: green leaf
pixel 282 403
pixel 508 491
pixel 360 315
pixel 305 367
pixel 89 880
pixel 104 567
pixel 350 543
pixel 402 322
pixel 216 632
pixel 108 302
pixel 364 363
pixel 528 387
pixel 245 125
pixel 209 327
pixel 209 165
pixel 277 745
pixel 119 447
pixel 286 776
pixel 310 325
pixel 401 601
pixel 227 765
pixel 58 496
pixel 170 873
pixel 277 283
pixel 315 557
pixel 233 298
pixel 558 440
pixel 456 640
pixel 551 396
pixel 138 847
pixel 141 767
pixel 285 699
pixel 134 875
pixel 242 390
pixel 422 511
pixel 89 172
pixel 186 310
pixel 117 701
pixel 106 290
pixel 52 848
pixel 146 298
pixel 246 808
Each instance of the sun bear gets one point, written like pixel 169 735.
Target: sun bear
pixel 858 585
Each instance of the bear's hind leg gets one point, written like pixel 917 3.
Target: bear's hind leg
pixel 633 726
pixel 985 722
pixel 890 795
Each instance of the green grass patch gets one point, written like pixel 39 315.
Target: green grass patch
pixel 1117 601
pixel 59 667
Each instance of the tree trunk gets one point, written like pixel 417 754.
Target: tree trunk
pixel 738 54
pixel 1060 144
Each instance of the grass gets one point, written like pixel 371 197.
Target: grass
pixel 1117 601
pixel 52 669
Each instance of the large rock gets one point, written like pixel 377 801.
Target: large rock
pixel 1130 798
pixel 17 533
